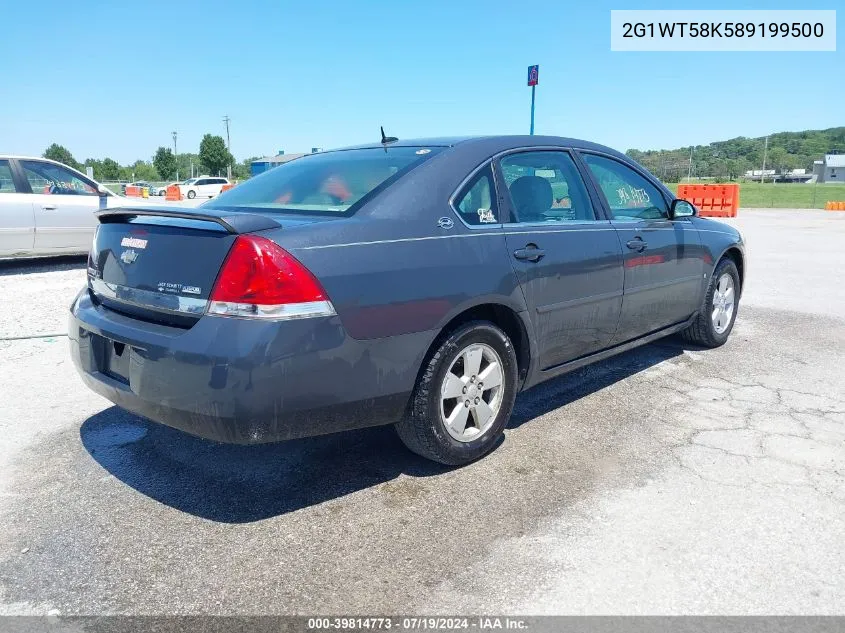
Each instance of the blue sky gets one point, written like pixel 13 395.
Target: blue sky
pixel 116 80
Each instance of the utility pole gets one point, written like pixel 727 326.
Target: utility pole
pixel 226 120
pixel 689 171
pixel 176 155
pixel 763 171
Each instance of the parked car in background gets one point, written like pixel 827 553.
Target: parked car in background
pixel 47 208
pixel 203 187
pixel 418 283
pixel 137 183
pixel 156 190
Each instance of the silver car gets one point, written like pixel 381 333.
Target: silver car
pixel 47 208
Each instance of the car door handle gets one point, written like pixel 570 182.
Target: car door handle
pixel 637 244
pixel 530 253
pixel 48 207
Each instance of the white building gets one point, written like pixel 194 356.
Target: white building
pixel 831 169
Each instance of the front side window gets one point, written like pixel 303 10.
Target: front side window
pixel 545 186
pixel 329 182
pixel 55 179
pixel 7 185
pixel 629 195
pixel 476 203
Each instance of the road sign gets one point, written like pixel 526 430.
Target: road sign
pixel 533 75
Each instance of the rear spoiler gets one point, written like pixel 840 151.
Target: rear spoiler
pixel 232 222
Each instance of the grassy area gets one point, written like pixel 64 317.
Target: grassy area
pixel 785 196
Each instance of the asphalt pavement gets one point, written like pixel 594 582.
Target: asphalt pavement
pixel 667 480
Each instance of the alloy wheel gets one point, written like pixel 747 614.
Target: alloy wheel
pixel 724 300
pixel 471 392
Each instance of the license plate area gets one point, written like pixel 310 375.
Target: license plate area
pixel 115 359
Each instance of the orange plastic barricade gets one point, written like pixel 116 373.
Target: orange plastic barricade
pixel 834 206
pixel 133 191
pixel 173 193
pixel 714 201
pixel 226 187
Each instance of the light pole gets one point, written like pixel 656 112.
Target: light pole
pixel 176 156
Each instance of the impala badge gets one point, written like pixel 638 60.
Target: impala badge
pixel 445 223
pixel 128 256
pixel 134 242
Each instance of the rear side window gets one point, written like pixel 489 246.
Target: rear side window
pixel 628 194
pixel 7 185
pixel 326 183
pixel 55 179
pixel 476 203
pixel 545 186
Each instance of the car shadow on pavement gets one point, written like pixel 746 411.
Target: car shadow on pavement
pixel 567 388
pixel 238 484
pixel 43 265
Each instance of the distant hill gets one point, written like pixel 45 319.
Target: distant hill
pixel 730 159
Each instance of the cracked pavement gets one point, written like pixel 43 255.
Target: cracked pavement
pixel 667 480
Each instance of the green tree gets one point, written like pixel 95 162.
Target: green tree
pixel 777 159
pixel 142 170
pixel 735 168
pixel 184 162
pixel 243 170
pixel 62 155
pixel 165 163
pixel 213 154
pixel 109 170
pixel 799 149
pixel 96 165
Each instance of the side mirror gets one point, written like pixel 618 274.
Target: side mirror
pixel 681 209
pixel 103 191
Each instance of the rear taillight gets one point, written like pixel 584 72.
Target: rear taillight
pixel 261 280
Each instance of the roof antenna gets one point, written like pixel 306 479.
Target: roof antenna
pixel 387 139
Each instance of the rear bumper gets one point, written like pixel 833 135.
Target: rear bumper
pixel 240 381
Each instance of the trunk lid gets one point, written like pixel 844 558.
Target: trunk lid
pixel 160 263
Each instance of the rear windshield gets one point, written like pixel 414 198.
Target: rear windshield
pixel 327 183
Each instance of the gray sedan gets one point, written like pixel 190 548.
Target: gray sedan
pixel 418 283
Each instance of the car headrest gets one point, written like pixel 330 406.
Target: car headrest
pixel 532 196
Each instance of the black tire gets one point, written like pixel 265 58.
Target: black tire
pixel 702 331
pixel 192 194
pixel 161 193
pixel 423 431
